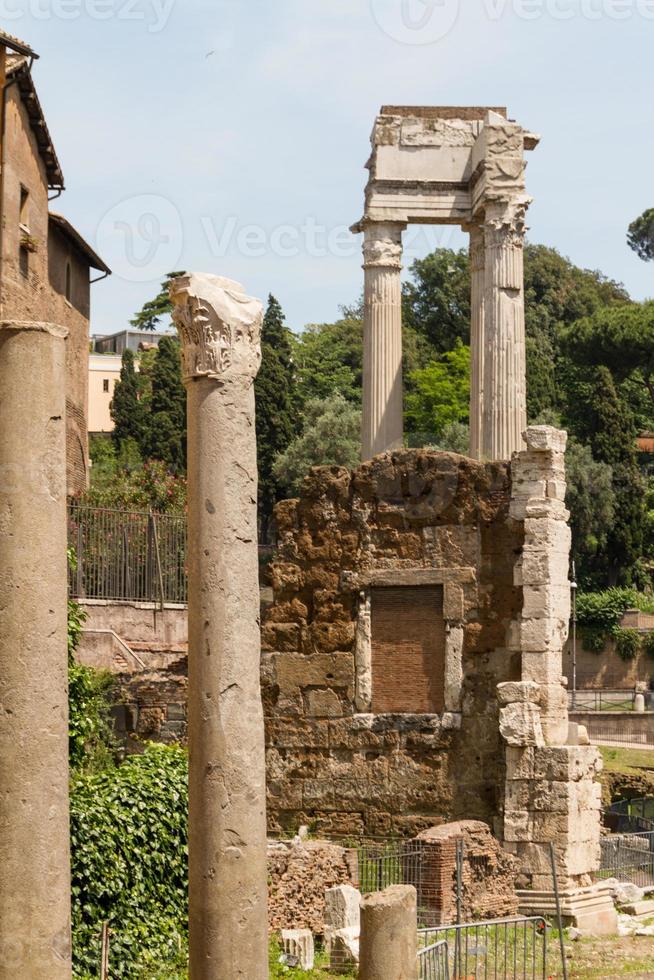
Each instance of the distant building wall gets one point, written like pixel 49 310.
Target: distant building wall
pixel 103 374
pixel 69 299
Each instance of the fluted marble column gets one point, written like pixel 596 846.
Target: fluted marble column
pixel 382 423
pixel 504 385
pixel 220 330
pixel 34 822
pixel 477 339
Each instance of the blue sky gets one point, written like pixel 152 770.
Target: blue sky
pixel 230 137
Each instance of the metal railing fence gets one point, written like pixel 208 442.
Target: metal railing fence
pixel 628 857
pixel 630 816
pixel 434 961
pixel 127 555
pixel 496 949
pixel 601 700
pixel 390 862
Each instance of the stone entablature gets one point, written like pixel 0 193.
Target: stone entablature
pixel 448 165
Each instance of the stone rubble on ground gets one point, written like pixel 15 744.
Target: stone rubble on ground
pixel 625 892
pixel 297 944
pixel 342 926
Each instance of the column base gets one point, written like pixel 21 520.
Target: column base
pixel 590 909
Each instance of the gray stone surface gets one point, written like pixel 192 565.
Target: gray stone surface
pixel 34 826
pixel 389 935
pixel 220 328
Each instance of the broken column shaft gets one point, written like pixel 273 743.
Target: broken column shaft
pixel 34 823
pixel 220 328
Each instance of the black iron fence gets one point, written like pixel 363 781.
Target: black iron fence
pixel 127 555
pixel 629 857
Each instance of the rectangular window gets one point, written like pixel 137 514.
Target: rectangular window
pixel 408 650
pixel 24 260
pixel 24 206
pixel 105 384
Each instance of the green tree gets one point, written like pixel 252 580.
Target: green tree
pixel 620 338
pixel 557 294
pixel 328 357
pixel 126 409
pixel 436 301
pixel 441 393
pixel 436 308
pixel 152 312
pixel 590 498
pixel 613 440
pixel 166 423
pixel 276 416
pixel 640 236
pixel 454 438
pixel 330 436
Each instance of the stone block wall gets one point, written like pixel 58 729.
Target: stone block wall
pixel 551 797
pixel 490 543
pixel 415 519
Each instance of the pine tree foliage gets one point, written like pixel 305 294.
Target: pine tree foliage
pixel 274 390
pixel 152 312
pixel 640 236
pixel 166 423
pixel 126 409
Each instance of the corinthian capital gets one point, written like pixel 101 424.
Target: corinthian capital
pixel 382 245
pixel 504 221
pixel 219 327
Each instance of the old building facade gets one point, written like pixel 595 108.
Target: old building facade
pixel 45 264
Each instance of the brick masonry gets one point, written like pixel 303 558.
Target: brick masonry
pixel 411 518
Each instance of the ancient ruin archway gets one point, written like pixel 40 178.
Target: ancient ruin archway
pixel 448 165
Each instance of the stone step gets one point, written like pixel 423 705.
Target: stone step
pixel 642 910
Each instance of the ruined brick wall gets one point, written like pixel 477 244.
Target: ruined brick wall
pixel 414 519
pixel 24 291
pixel 74 315
pixel 488 874
pixel 34 288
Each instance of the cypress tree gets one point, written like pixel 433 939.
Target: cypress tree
pixel 613 440
pixel 275 418
pixel 166 426
pixel 126 409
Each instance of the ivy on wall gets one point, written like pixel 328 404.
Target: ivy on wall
pixel 599 615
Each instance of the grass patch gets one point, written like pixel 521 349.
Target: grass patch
pixel 626 760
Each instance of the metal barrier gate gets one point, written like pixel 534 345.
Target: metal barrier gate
pixel 495 949
pixel 434 961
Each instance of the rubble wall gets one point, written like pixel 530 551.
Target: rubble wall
pixel 412 517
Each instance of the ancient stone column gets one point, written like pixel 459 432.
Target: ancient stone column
pixel 219 327
pixel 477 338
pixel 504 384
pixel 34 821
pixel 382 424
pixel 389 935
